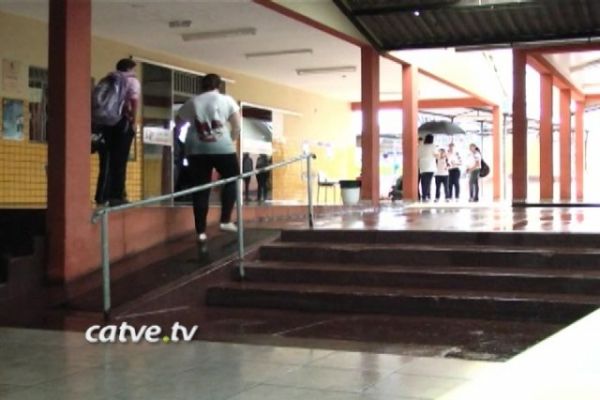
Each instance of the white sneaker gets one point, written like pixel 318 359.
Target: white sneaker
pixel 202 237
pixel 229 227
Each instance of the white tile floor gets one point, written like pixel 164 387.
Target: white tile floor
pixel 50 365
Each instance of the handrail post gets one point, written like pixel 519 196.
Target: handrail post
pixel 240 227
pixel 105 264
pixel 309 191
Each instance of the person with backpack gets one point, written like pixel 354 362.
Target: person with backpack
pixel 215 124
pixel 474 171
pixel 114 107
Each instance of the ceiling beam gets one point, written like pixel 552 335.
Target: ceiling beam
pixel 463 102
pixel 271 5
pixel 592 99
pixel 350 39
pixel 441 80
pixel 538 62
pixel 576 47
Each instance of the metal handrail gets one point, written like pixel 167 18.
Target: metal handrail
pixel 101 214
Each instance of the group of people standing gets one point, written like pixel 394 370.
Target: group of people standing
pixel 445 166
pixel 262 178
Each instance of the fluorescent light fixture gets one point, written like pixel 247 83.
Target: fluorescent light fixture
pixel 180 23
pixel 326 70
pixel 278 53
pixel 208 35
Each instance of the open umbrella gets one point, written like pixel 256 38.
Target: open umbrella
pixel 440 128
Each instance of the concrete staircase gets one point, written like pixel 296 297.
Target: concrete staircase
pixel 486 275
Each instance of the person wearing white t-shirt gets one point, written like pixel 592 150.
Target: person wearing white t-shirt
pixel 474 170
pixel 441 175
pixel 214 120
pixel 427 166
pixel 454 172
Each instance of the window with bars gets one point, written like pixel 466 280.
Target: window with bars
pixel 38 101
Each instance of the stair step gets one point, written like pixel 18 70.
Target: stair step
pixel 431 255
pixel 466 278
pixel 448 303
pixel 526 239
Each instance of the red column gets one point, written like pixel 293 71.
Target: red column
pixel 579 150
pixel 410 113
pixel 565 145
pixel 546 133
pixel 519 126
pixel 497 156
pixel 370 123
pixel 69 68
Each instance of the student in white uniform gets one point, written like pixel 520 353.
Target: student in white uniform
pixel 427 166
pixel 441 175
pixel 454 172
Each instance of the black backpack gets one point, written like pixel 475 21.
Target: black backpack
pixel 485 169
pixel 108 98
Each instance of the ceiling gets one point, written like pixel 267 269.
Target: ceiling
pixel 145 24
pixel 403 24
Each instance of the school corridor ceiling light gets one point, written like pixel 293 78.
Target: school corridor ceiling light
pixel 278 53
pixel 208 35
pixel 326 70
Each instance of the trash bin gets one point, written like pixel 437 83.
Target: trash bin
pixel 350 192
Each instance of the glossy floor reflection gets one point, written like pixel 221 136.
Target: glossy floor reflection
pixel 49 365
pixel 459 217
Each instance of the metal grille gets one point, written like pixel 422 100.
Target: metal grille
pixel 38 102
pixel 186 84
pixel 396 25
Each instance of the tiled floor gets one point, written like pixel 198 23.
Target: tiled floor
pixel 456 217
pixel 49 365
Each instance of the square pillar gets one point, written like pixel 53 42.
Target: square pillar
pixel 565 145
pixel 579 150
pixel 519 182
pixel 410 114
pixel 69 66
pixel 546 138
pixel 370 124
pixel 497 156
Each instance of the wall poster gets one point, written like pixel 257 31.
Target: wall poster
pixel 12 119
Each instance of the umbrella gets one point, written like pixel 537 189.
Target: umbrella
pixel 440 128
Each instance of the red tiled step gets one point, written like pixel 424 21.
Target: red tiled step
pixel 467 278
pixel 422 302
pixel 420 237
pixel 431 255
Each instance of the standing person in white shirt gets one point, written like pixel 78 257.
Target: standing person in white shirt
pixel 215 122
pixel 454 172
pixel 427 166
pixel 441 175
pixel 474 170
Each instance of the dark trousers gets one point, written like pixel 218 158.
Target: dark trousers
pixel 441 181
pixel 247 187
pixel 262 180
pixel 474 185
pixel 113 162
pixel 201 168
pixel 426 178
pixel 454 183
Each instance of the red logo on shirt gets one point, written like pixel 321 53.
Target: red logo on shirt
pixel 206 131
